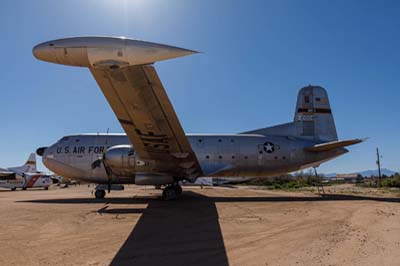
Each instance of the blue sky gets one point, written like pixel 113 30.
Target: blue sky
pixel 256 56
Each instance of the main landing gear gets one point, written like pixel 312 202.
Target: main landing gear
pixel 172 192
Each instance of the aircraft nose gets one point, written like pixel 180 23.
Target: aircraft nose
pixel 44 51
pixel 40 151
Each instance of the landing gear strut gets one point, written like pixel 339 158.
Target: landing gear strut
pixel 172 192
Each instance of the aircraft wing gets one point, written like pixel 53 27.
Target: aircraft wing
pixel 6 173
pixel 138 99
pixel 333 145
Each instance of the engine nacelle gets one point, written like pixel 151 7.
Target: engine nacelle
pixel 121 160
pixel 153 179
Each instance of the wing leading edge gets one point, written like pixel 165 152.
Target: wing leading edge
pixel 138 99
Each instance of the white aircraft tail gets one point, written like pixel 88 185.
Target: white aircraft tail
pixel 29 166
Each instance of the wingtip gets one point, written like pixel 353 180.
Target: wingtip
pixel 193 51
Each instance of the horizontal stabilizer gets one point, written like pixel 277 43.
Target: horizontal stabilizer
pixel 333 145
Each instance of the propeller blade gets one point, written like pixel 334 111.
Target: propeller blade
pixel 97 163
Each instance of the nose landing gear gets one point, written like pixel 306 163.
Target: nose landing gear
pixel 172 192
pixel 100 190
pixel 100 194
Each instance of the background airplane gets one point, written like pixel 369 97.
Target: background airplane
pixel 25 176
pixel 155 150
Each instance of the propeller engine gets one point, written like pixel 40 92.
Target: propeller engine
pixel 119 160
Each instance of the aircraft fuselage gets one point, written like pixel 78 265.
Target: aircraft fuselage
pixel 249 155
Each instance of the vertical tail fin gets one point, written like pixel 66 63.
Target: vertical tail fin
pixel 31 163
pixel 29 166
pixel 313 116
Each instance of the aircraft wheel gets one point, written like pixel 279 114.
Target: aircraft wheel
pixel 24 188
pixel 178 190
pixel 99 194
pixel 46 188
pixel 14 189
pixel 169 193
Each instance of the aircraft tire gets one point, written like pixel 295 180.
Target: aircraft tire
pixel 46 188
pixel 14 189
pixel 100 194
pixel 169 193
pixel 178 190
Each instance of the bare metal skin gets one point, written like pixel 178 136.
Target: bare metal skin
pixel 219 155
pixel 155 150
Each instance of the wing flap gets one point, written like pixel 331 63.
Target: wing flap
pixel 333 145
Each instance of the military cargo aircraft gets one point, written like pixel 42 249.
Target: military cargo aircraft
pixel 25 176
pixel 155 149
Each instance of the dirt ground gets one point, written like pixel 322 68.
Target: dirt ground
pixel 210 226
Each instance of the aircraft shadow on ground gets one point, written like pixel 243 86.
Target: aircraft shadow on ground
pixel 189 196
pixel 183 232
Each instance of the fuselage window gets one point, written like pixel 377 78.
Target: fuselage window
pixel 219 140
pixel 245 157
pixel 233 157
pixel 199 140
pixel 220 157
pixel 207 157
pixel 232 140
pixel 283 157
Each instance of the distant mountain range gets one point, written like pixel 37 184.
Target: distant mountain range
pixel 384 171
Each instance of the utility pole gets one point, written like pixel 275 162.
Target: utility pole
pixel 378 162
